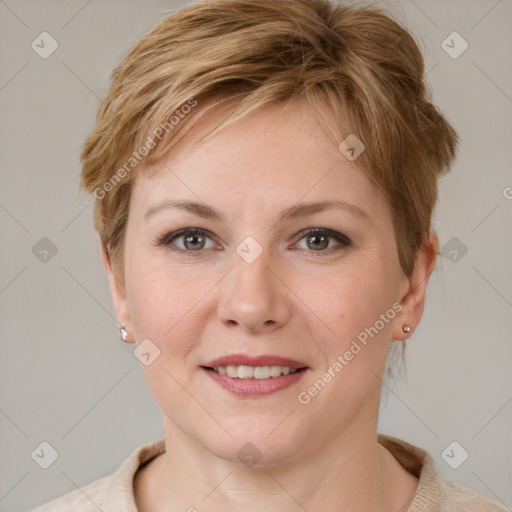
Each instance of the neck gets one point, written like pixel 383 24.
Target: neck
pixel 349 472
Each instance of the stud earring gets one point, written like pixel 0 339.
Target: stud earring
pixel 123 333
pixel 406 328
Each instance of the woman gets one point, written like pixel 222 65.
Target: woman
pixel 265 175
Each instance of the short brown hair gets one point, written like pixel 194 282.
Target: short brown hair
pixel 357 61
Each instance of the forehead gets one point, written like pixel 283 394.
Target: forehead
pixel 277 156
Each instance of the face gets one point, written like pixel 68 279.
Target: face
pixel 266 282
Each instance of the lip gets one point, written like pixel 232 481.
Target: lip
pixel 263 360
pixel 254 387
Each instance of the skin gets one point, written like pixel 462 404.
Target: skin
pixel 291 301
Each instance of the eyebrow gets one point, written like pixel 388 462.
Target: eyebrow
pixel 297 211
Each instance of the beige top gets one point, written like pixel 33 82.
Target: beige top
pixel 435 493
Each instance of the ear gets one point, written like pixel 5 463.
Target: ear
pixel 118 291
pixel 414 288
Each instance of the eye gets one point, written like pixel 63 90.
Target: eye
pixel 193 240
pixel 319 240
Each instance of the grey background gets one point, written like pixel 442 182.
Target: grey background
pixel 67 379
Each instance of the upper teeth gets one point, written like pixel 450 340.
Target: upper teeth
pixel 254 372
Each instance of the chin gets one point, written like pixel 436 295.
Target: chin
pixel 257 441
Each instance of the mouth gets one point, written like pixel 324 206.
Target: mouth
pixel 254 376
pixel 254 372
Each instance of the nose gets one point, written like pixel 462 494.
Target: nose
pixel 254 296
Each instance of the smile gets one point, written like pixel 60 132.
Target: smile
pixel 254 372
pixel 254 381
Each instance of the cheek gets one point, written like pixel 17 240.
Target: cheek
pixel 162 302
pixel 355 352
pixel 348 301
pixel 165 309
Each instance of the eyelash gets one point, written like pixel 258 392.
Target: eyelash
pixel 343 240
